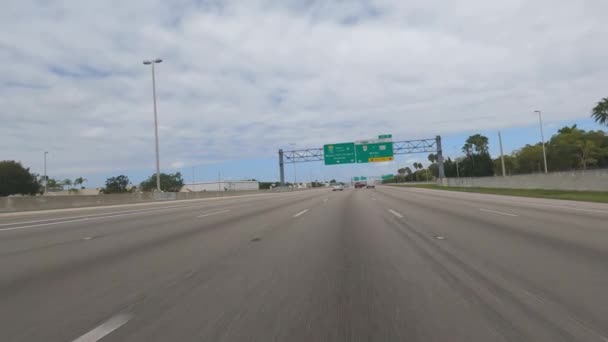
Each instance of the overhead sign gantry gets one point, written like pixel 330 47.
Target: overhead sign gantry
pixel 381 149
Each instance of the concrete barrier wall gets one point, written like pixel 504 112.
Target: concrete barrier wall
pixel 28 203
pixel 590 180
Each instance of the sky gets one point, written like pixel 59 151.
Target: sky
pixel 241 79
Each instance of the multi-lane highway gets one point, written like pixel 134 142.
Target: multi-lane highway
pixel 389 264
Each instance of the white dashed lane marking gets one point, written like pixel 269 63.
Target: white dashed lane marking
pixel 105 328
pixel 215 213
pixel 300 213
pixel 498 212
pixel 395 213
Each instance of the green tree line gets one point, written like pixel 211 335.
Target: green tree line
pixel 571 148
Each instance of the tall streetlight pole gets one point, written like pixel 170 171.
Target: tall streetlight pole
pixel 542 138
pixel 46 178
pixel 152 62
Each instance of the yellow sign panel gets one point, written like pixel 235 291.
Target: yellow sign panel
pixel 380 159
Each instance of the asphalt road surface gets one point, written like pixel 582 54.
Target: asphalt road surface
pixel 389 264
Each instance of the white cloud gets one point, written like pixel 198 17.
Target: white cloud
pixel 239 79
pixel 177 164
pixel 92 132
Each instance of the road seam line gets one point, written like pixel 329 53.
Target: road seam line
pixel 105 328
pixel 215 213
pixel 395 213
pixel 498 212
pixel 204 199
pixel 83 219
pixel 506 201
pixel 300 213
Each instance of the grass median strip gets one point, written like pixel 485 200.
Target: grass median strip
pixel 585 196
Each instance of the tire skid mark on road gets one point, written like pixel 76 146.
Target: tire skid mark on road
pixel 595 255
pixel 117 256
pixel 156 301
pixel 495 318
pixel 499 289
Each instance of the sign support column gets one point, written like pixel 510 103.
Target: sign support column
pixel 440 157
pixel 281 167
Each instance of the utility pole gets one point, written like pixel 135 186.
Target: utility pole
pixel 542 138
pixel 456 160
pixel 46 178
pixel 502 157
pixel 310 176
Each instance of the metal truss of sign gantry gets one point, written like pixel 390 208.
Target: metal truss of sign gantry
pixel 399 147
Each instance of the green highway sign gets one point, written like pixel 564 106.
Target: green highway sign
pixel 373 151
pixel 385 136
pixel 356 179
pixel 343 153
pixel 363 178
pixel 389 176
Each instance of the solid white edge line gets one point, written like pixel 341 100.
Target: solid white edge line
pixel 395 213
pixel 498 212
pixel 300 213
pixel 215 213
pixel 105 328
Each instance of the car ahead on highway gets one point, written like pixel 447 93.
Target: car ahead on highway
pixel 370 185
pixel 359 185
pixel 337 188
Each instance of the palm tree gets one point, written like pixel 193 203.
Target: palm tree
pixel 52 184
pixel 66 182
pixel 600 112
pixel 79 181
